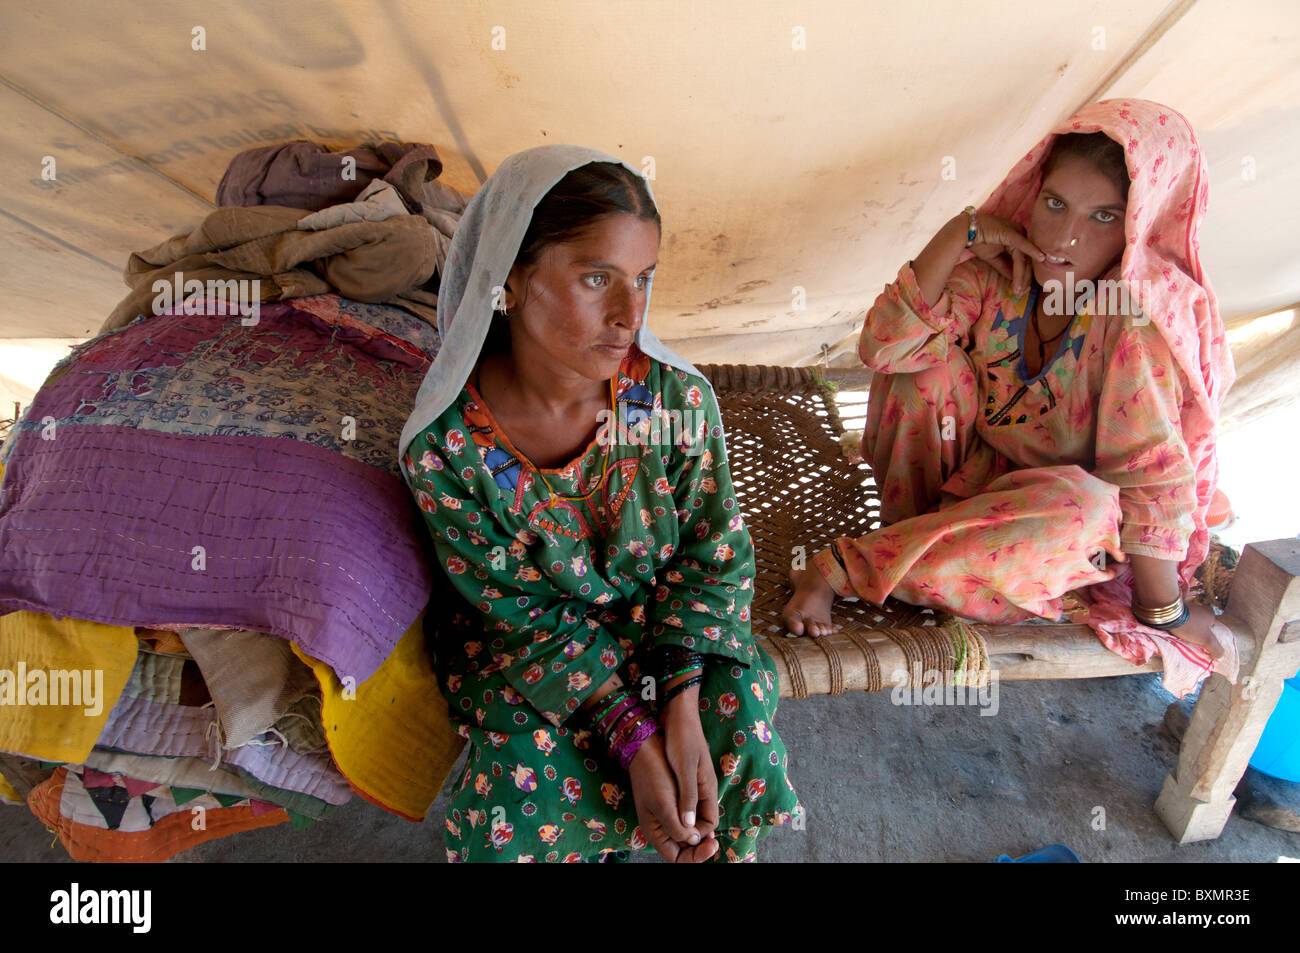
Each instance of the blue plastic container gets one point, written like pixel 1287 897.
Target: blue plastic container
pixel 1278 751
pixel 1051 854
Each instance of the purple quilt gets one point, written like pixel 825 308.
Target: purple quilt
pixel 186 470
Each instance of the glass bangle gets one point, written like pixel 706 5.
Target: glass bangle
pixel 681 687
pixel 605 705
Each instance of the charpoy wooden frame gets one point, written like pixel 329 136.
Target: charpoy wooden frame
pixel 798 492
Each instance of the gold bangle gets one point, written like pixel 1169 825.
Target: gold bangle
pixel 1164 608
pixel 1158 615
pixel 1160 610
pixel 1154 620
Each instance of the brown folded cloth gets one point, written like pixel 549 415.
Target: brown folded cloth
pixel 366 261
pixel 307 175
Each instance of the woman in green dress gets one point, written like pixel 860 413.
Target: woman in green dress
pixel 597 654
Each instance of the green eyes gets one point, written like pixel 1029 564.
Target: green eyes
pixel 1101 215
pixel 603 280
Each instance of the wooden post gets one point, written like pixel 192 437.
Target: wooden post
pixel 1264 613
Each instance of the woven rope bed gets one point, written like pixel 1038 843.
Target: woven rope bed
pixel 797 489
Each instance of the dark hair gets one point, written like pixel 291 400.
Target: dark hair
pixel 575 203
pixel 1105 154
pixel 570 209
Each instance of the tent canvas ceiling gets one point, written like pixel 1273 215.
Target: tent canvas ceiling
pixel 809 146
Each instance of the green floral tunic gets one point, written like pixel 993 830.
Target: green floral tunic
pixel 559 594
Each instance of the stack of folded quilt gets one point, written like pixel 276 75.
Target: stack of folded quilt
pixel 212 576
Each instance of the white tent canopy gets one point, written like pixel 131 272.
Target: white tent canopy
pixel 800 153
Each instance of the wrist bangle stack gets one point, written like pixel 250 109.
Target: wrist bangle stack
pixel 630 736
pixel 609 716
pixel 625 725
pixel 675 661
pixel 973 229
pixel 680 687
pixel 606 705
pixel 1166 617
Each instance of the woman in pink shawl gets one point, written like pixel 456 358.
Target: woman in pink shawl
pixel 1049 372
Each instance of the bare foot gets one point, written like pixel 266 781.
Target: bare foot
pixel 809 609
pixel 1202 630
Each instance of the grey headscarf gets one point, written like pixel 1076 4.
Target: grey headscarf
pixel 483 250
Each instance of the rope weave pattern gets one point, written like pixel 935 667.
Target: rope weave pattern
pixel 798 493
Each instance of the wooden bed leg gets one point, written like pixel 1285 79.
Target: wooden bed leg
pixel 1264 612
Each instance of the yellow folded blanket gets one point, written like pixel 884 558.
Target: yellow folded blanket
pixel 391 735
pixel 59 679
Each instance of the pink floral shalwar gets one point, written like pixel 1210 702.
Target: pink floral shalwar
pixel 1031 475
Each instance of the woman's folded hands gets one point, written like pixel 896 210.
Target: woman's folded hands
pixel 674 786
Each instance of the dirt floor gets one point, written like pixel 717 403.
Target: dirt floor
pixel 880 782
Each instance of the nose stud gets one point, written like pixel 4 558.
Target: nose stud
pixel 1073 242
